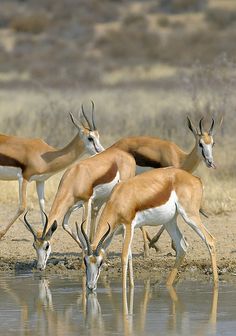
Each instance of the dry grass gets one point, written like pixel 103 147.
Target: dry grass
pixel 135 111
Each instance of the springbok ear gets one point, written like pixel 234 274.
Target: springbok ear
pixel 191 127
pixel 51 230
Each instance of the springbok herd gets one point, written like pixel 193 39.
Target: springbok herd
pixel 155 197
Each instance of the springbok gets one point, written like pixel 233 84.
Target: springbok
pixel 153 198
pixel 26 159
pixel 93 179
pixel 157 153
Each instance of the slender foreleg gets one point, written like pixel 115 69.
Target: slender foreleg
pixel 22 203
pixel 95 208
pixel 196 224
pixel 181 247
pixel 41 198
pixel 65 222
pixel 125 254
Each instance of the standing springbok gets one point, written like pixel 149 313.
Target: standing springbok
pixel 93 179
pixel 27 160
pixel 157 153
pixel 153 198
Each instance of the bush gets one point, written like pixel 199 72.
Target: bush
pixel 221 17
pixel 163 21
pixel 34 24
pixel 179 6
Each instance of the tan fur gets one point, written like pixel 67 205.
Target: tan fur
pixel 35 157
pixel 206 138
pixel 78 181
pixel 146 191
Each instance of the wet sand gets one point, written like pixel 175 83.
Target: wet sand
pixel 17 253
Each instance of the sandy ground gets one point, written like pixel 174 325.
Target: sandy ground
pixel 17 253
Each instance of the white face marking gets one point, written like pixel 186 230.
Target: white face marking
pixel 92 143
pixel 205 150
pixel 43 253
pixel 157 216
pixel 93 270
pixel 10 173
pixel 103 191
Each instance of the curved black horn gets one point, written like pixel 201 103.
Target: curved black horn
pixel 94 127
pixel 45 225
pixel 85 117
pixel 200 126
pixel 99 246
pixel 212 126
pixel 90 251
pixel 29 226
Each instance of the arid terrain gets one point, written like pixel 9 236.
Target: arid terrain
pixel 17 253
pixel 146 65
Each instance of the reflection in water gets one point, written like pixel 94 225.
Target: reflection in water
pixel 53 306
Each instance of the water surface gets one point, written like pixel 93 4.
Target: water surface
pixel 59 305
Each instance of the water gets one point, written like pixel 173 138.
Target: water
pixel 56 305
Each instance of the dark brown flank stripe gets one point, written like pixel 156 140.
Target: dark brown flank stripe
pixel 6 160
pixel 143 161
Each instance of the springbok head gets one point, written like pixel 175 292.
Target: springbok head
pixel 204 141
pixel 93 258
pixel 88 131
pixel 41 242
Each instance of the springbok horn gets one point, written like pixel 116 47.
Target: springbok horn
pixel 212 126
pixel 76 122
pixel 191 127
pixel 94 127
pixel 200 126
pixel 29 226
pixel 85 117
pixel 99 246
pixel 90 251
pixel 45 225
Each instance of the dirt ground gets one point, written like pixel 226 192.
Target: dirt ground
pixel 17 253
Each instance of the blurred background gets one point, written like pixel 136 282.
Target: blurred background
pixel 145 64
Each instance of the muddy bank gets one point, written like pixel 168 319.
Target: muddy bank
pixel 18 255
pixel 155 268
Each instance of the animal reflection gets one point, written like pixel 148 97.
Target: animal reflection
pixel 77 311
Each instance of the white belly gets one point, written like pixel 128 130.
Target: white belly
pixel 157 216
pixel 10 173
pixel 140 170
pixel 103 191
pixel 42 177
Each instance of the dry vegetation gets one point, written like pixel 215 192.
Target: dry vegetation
pixel 146 65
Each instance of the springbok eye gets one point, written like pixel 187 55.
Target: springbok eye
pixel 200 144
pixel 47 247
pixel 90 139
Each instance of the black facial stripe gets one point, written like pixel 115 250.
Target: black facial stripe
pixel 203 154
pixel 94 145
